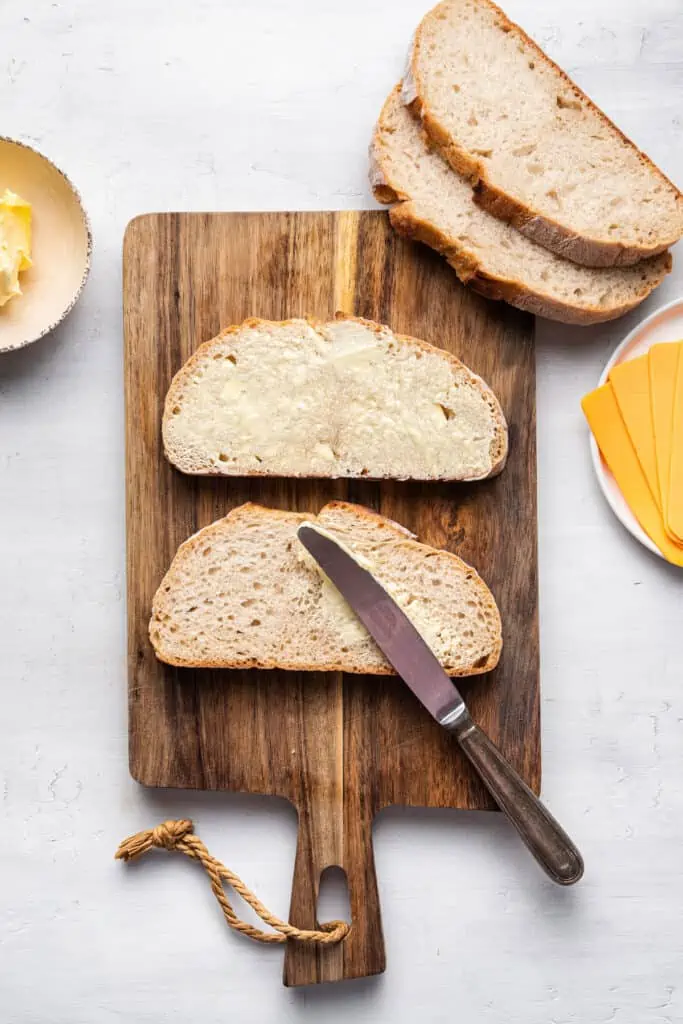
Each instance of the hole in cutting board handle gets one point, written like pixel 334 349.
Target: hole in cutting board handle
pixel 333 896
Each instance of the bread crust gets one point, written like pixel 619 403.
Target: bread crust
pixel 468 266
pixel 248 512
pixel 546 231
pixel 499 444
pixel 517 294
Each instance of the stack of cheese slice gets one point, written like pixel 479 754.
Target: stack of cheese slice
pixel 637 421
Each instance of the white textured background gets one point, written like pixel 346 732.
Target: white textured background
pixel 218 104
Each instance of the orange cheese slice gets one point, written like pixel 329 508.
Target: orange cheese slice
pixel 674 517
pixel 663 359
pixel 631 384
pixel 609 430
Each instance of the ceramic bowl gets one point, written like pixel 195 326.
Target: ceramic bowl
pixel 60 246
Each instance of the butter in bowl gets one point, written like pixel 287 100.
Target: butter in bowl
pixel 45 245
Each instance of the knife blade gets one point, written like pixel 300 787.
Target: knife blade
pixel 415 662
pixel 387 624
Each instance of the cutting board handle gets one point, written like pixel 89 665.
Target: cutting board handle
pixel 319 846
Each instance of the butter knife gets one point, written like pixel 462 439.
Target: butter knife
pixel 407 652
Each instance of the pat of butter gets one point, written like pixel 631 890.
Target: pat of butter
pixel 15 243
pixel 335 605
pixel 355 349
pixel 323 451
pixel 345 620
pixel 358 559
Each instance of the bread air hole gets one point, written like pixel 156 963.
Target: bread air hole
pixel 175 410
pixel 232 359
pixel 222 457
pixel 448 413
pixel 567 103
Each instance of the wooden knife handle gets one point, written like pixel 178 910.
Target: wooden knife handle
pixel 544 837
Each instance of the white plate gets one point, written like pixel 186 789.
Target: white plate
pixel 666 324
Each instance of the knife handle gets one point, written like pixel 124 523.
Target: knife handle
pixel 545 839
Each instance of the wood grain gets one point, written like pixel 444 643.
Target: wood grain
pixel 339 747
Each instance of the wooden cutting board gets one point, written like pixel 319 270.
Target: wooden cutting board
pixel 339 747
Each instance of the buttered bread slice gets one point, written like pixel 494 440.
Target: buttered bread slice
pixel 245 593
pixel 348 398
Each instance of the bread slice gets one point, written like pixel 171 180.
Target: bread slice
pixel 433 204
pixel 541 154
pixel 245 593
pixel 347 398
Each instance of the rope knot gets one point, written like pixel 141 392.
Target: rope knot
pixel 169 834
